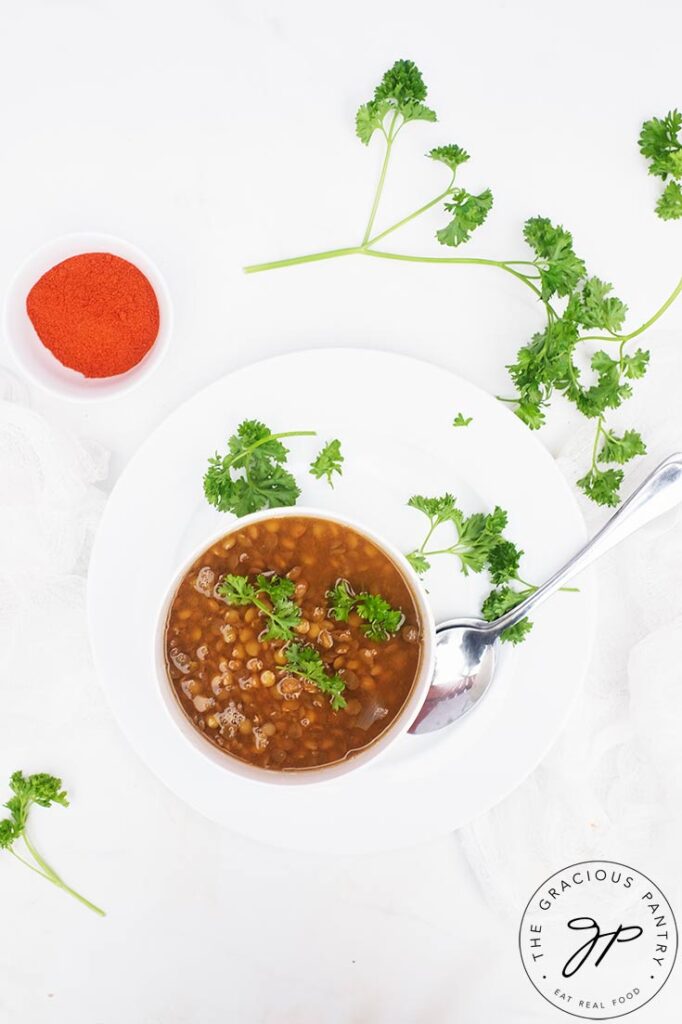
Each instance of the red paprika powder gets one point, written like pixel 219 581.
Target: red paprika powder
pixel 97 313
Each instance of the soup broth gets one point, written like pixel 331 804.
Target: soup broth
pixel 236 686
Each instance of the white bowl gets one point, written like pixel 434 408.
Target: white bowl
pixel 398 726
pixel 37 362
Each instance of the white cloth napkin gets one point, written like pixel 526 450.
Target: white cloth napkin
pixel 49 508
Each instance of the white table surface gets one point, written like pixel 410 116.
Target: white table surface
pixel 213 134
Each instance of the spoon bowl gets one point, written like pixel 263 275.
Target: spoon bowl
pixel 466 655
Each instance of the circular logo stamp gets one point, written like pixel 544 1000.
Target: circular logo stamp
pixel 598 939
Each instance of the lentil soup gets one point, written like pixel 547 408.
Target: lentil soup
pixel 236 685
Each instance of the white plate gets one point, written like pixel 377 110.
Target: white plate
pixel 394 418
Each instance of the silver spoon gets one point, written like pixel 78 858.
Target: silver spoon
pixel 466 649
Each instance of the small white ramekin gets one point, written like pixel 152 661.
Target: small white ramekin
pixel 37 362
pixel 324 773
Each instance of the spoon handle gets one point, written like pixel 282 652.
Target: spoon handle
pixel 658 493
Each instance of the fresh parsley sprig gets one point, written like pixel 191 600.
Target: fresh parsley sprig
pixel 251 475
pixel 381 620
pixel 574 303
pixel 548 364
pixel 479 545
pixel 400 94
pixel 43 790
pixel 328 462
pixel 306 662
pixel 398 100
pixel 461 420
pixel 280 613
pixel 476 535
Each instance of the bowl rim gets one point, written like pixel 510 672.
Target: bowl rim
pixel 43 258
pixel 324 773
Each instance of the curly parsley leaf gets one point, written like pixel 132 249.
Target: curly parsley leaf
pixel 370 119
pixel 609 391
pixel 503 561
pixel 502 600
pixel 478 535
pixel 594 306
pixel 602 486
pixel 251 476
pixel 439 510
pixel 559 267
pixel 542 366
pixel 278 588
pixel 403 84
pixel 468 213
pixel 329 461
pixel 306 662
pixel 452 156
pixel 281 613
pixel 8 834
pixel 237 590
pixel 44 790
pixel 341 599
pixel 621 449
pixel 381 620
pixel 659 142
pixel 401 92
pixel 419 562
pixel 669 205
pixel 530 411
pixel 461 420
pixel 635 366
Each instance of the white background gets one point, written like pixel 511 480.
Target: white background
pixel 216 134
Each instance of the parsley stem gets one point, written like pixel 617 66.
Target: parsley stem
pixel 598 432
pixel 51 875
pixel 32 867
pixel 530 588
pixel 364 250
pixel 411 216
pixel 659 312
pixel 434 524
pixel 313 257
pixel 273 437
pixel 500 264
pixel 382 179
pixel 439 551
